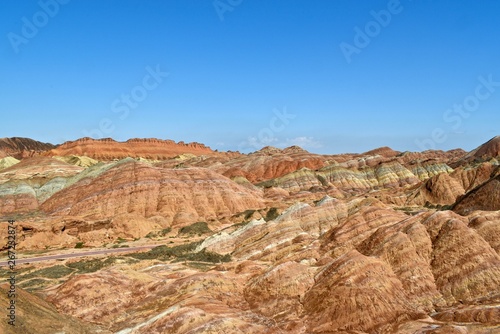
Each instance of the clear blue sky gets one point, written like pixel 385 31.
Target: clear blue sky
pixel 234 64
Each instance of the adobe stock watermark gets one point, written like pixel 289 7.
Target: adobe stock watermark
pixel 223 6
pixel 373 28
pixel 459 112
pixel 31 27
pixel 127 102
pixel 267 136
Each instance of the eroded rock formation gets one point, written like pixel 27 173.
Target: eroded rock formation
pixel 294 242
pixel 19 148
pixel 107 149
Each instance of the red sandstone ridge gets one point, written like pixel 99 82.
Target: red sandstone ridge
pixel 490 149
pixel 26 184
pixel 108 149
pixel 292 242
pixel 485 197
pixel 183 195
pixel 486 151
pixel 19 148
pixel 42 316
pixel 385 151
pixel 271 162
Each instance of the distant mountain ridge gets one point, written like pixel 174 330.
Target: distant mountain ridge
pixel 19 147
pixel 290 241
pixel 490 149
pixel 109 149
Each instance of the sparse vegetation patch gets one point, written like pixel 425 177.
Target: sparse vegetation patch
pixel 248 214
pixel 272 214
pixel 198 228
pixel 50 272
pixel 90 266
pixel 156 234
pixel 181 253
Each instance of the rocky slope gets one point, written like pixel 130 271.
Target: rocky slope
pixel 19 148
pixel 487 151
pixel 373 270
pixel 270 163
pixel 25 185
pixel 179 195
pixel 107 149
pixel 485 197
pixel 35 315
pixel 445 189
pixel 276 241
pixel 7 162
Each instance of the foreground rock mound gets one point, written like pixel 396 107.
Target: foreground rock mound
pixel 66 232
pixel 357 293
pixel 445 188
pixel 165 298
pixel 486 151
pixel 34 315
pixel 486 197
pixel 374 270
pixel 276 241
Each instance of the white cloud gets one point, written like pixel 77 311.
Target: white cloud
pixel 254 144
pixel 304 142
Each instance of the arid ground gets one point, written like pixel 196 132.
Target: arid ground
pixel 275 241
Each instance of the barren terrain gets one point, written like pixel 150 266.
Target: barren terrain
pixel 275 241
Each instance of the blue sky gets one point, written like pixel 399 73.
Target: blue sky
pixel 331 76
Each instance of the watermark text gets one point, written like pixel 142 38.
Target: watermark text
pixel 11 253
pixel 31 27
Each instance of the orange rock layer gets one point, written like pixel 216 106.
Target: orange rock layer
pixel 108 149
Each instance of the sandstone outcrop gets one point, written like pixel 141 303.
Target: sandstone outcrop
pixel 25 185
pixel 286 241
pixel 466 268
pixel 182 196
pixel 357 293
pixel 488 151
pixel 162 299
pixel 279 292
pixel 35 315
pixel 385 151
pixel 429 168
pixel 377 270
pixel 441 189
pixel 487 224
pixel 270 163
pixel 77 160
pixel 107 149
pixel 7 162
pixel 20 148
pixel 445 188
pixel 447 157
pixel 66 232
pixel 485 197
